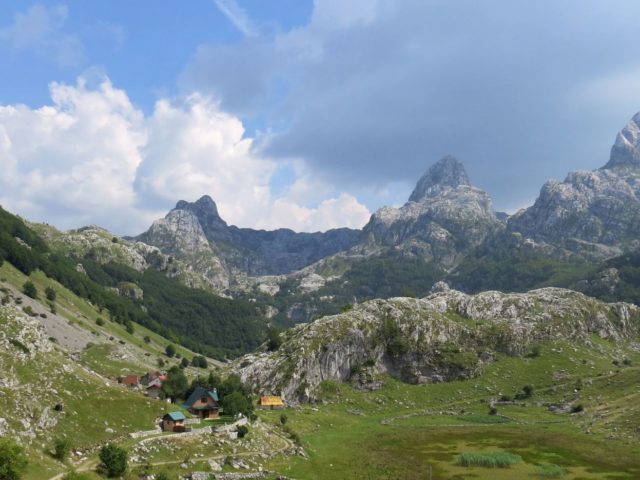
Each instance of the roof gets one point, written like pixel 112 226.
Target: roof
pixel 271 401
pixel 199 393
pixel 130 380
pixel 154 386
pixel 156 382
pixel 175 416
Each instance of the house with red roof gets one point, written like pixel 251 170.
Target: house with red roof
pixel 130 381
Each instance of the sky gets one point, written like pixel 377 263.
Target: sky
pixel 301 114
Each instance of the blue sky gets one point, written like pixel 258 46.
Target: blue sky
pixel 300 114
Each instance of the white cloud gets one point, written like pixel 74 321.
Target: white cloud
pixel 237 16
pixel 40 29
pixel 93 157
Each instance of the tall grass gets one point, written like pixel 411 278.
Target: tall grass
pixel 488 460
pixel 549 470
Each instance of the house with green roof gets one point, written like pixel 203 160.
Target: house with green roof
pixel 173 421
pixel 203 403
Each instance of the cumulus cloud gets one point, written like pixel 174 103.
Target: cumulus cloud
pixel 41 29
pixel 371 92
pixel 93 157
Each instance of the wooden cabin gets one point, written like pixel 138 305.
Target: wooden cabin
pixel 203 403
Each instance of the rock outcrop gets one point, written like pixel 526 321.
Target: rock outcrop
pixel 446 336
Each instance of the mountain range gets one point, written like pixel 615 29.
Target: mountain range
pixel 589 217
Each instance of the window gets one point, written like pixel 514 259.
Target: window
pixel 203 399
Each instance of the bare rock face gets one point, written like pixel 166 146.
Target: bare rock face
pixel 625 152
pixel 444 217
pixel 592 213
pixel 446 336
pixel 443 175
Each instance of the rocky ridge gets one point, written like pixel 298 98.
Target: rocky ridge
pixel 446 336
pixel 197 228
pixel 595 214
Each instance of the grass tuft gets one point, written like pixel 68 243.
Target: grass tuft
pixel 488 460
pixel 549 470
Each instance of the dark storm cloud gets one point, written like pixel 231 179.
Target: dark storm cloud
pixel 519 91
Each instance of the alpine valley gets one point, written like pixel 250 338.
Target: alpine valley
pixel 441 340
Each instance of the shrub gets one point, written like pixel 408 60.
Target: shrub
pixel 283 418
pixel 493 411
pixel 577 408
pixel 170 351
pixel 242 430
pixel 535 351
pixel 527 391
pixel 488 460
pixel 114 459
pixel 129 327
pixel 29 289
pixel 147 339
pixel 199 361
pixel 52 308
pixel 99 321
pixel 29 311
pixel 162 476
pixel 61 448
pixel 273 340
pixel 12 460
pixel 184 363
pixel 50 293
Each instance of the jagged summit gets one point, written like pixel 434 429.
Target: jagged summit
pixel 206 211
pixel 625 152
pixel 447 172
pixel 204 206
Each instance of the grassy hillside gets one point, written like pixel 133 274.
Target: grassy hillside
pixel 405 431
pixel 66 359
pixel 196 318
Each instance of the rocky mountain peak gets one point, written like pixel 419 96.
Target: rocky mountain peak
pixel 206 211
pixel 625 152
pixel 203 207
pixel 447 172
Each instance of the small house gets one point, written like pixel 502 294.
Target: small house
pixel 271 402
pixel 173 421
pixel 150 377
pixel 203 403
pixel 130 381
pixel 153 391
